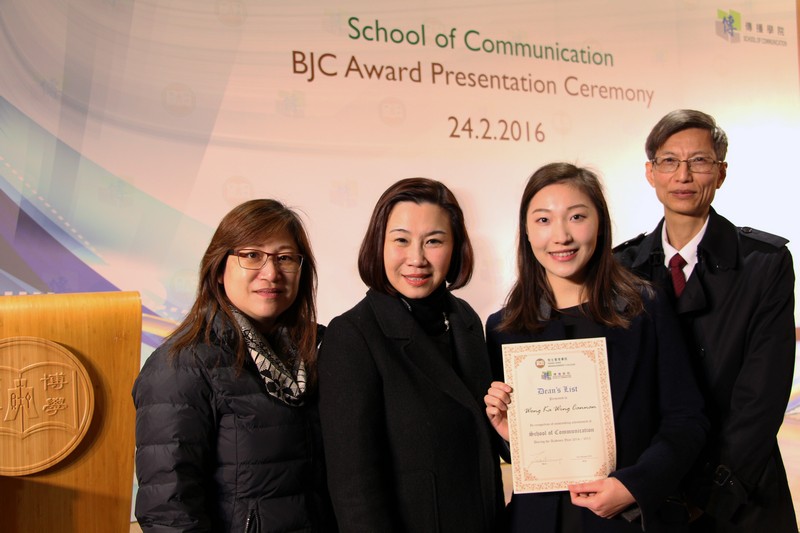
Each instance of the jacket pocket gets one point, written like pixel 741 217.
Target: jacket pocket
pixel 282 514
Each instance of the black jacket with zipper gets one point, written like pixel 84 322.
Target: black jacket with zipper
pixel 215 452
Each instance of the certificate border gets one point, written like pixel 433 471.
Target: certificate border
pixel 595 349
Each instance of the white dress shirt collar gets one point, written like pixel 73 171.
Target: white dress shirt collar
pixel 688 252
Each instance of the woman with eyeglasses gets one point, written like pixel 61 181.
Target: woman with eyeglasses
pixel 227 429
pixel 402 377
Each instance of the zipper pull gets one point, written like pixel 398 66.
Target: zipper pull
pixel 249 521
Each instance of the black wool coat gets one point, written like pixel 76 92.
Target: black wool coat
pixel 658 419
pixel 737 312
pixel 408 444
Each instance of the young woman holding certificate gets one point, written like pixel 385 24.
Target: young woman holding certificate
pixel 570 287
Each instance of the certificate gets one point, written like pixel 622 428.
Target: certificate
pixel 560 419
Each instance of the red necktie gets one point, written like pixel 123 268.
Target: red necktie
pixel 676 265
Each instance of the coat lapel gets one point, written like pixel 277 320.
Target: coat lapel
pixel 649 263
pixel 716 254
pixel 419 350
pixel 693 297
pixel 650 253
pixel 470 355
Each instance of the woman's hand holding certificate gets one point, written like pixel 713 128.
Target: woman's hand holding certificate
pixel 560 424
pixel 497 399
pixel 605 497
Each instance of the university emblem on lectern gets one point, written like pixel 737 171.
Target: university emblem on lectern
pixel 46 404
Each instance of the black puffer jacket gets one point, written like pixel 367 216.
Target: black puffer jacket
pixel 215 452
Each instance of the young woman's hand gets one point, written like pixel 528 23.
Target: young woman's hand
pixel 497 399
pixel 605 497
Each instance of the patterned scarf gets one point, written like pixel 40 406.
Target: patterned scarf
pixel 285 381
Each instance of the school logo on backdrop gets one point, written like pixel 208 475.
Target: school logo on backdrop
pixel 734 28
pixel 729 25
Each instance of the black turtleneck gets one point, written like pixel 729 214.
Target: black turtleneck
pixel 431 313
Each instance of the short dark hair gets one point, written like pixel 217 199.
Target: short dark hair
pixel 684 119
pixel 420 191
pixel 606 280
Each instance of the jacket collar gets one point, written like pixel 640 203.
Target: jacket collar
pixel 394 320
pixel 466 334
pixel 397 323
pixel 718 250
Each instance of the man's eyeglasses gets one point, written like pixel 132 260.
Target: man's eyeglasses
pixel 701 165
pixel 251 259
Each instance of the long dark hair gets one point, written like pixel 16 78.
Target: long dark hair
pixel 607 283
pixel 248 223
pixel 418 190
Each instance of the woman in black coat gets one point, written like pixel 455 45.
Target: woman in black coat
pixel 227 429
pixel 402 377
pixel 570 287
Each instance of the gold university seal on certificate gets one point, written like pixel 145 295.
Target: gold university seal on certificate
pixel 561 421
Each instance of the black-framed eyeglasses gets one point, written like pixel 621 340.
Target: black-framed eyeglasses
pixel 702 165
pixel 252 259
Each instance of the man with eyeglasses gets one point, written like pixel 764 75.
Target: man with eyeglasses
pixel 733 290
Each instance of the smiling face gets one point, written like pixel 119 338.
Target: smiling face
pixel 685 193
pixel 417 248
pixel 562 227
pixel 262 294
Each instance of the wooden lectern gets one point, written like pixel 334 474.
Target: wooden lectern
pixel 67 365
